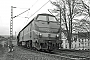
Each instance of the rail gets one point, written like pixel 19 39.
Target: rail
pixel 48 56
pixel 65 56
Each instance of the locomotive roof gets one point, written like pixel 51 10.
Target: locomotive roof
pixel 33 19
pixel 46 14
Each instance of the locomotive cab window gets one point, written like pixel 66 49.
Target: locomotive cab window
pixel 42 17
pixel 51 18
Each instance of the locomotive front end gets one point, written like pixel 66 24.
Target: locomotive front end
pixel 47 28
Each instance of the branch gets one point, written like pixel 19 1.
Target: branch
pixel 55 4
pixel 86 7
pixel 73 4
pixel 76 14
pixel 65 19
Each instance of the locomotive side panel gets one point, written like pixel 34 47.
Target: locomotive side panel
pixel 30 31
pixel 21 36
pixel 26 34
pixel 34 34
pixel 29 34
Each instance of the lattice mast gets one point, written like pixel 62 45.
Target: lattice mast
pixel 11 23
pixel 11 26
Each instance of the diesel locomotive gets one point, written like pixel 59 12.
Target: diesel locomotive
pixel 42 33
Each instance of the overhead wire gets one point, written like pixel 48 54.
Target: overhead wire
pixel 34 3
pixel 21 8
pixel 30 8
pixel 28 11
pixel 27 17
pixel 39 9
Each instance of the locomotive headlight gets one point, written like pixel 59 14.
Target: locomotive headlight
pixel 40 35
pixel 57 35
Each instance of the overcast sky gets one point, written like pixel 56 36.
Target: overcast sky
pixel 21 21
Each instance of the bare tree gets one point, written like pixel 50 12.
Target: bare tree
pixel 69 10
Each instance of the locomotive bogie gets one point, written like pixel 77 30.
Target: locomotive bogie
pixel 23 43
pixel 29 44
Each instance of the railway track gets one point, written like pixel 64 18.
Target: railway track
pixel 59 55
pixel 75 54
pixel 28 54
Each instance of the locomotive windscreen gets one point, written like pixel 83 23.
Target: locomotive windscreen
pixel 51 18
pixel 42 17
pixel 47 25
pixel 46 18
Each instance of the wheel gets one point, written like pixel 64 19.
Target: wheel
pixel 38 46
pixel 30 44
pixel 27 44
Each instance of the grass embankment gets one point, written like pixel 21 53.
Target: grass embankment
pixel 2 50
